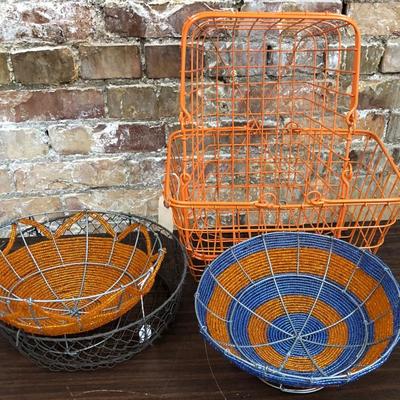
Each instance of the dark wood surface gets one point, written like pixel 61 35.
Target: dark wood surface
pixel 179 366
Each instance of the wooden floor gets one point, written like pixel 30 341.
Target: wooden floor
pixel 179 366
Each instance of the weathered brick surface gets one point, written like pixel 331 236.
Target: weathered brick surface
pixel 372 121
pixel 19 207
pixel 154 19
pixel 162 61
pixel 393 130
pixel 379 94
pixel 45 176
pixel 134 201
pixel 150 171
pixel 4 73
pixel 47 21
pixel 168 101
pixel 18 144
pixel 132 102
pixel 70 140
pixel 41 105
pixel 391 58
pixel 137 137
pixel 376 19
pixel 107 62
pixel 44 66
pixel 179 16
pixel 371 55
pixel 124 21
pixel 6 183
pixel 334 6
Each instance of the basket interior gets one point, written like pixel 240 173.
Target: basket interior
pixel 119 339
pixel 269 68
pixel 277 166
pixel 308 307
pixel 71 273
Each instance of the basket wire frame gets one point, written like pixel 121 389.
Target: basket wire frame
pixel 121 339
pixel 268 137
pixel 74 272
pixel 218 278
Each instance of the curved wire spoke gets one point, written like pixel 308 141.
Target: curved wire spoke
pixel 277 287
pixel 39 268
pixel 248 309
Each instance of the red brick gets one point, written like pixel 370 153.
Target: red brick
pixel 168 105
pixel 107 62
pixel 132 102
pixel 4 73
pixel 178 18
pixel 396 155
pixel 55 22
pixel 136 20
pixel 35 16
pixel 41 105
pixel 376 18
pixel 124 21
pixel 44 66
pixel 163 61
pixel 137 137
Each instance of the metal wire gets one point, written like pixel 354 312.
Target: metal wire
pixel 268 137
pixel 300 310
pixel 74 271
pixel 120 339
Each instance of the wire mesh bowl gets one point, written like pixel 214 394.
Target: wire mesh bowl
pixel 268 139
pixel 300 310
pixel 122 338
pixel 73 272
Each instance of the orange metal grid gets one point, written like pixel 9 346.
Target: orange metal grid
pixel 268 139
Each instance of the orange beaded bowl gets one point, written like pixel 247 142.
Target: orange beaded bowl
pixel 66 273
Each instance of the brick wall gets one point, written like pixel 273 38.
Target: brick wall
pixel 88 95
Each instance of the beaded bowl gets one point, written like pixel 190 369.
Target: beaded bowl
pixel 300 311
pixel 71 272
pixel 122 338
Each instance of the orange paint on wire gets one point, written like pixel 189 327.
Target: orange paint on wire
pixel 268 123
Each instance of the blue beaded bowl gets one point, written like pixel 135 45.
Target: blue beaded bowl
pixel 300 310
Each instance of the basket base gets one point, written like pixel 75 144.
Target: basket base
pixel 291 389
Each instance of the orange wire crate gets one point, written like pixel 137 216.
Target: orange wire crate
pixel 268 138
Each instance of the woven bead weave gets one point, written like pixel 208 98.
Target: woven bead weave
pixel 69 278
pixel 124 337
pixel 300 309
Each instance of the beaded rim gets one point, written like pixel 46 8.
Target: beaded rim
pixel 259 367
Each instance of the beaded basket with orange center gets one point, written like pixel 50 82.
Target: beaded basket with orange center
pixel 300 309
pixel 75 275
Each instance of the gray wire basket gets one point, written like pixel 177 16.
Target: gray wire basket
pixel 124 337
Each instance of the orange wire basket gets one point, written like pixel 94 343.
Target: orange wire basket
pixel 268 137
